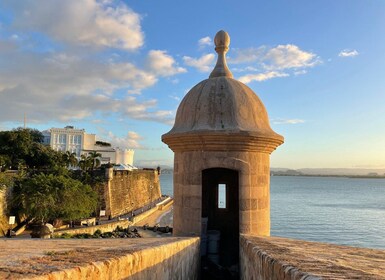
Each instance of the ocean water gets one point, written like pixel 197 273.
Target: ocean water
pixel 345 211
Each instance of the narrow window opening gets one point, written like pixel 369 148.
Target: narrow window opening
pixel 222 196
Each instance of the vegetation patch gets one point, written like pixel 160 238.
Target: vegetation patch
pixel 119 232
pixel 48 185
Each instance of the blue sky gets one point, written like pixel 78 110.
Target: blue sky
pixel 119 69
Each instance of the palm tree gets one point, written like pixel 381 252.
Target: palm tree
pixel 84 162
pixel 70 159
pixel 94 158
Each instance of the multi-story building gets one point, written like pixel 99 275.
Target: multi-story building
pixel 79 142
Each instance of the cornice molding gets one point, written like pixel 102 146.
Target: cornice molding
pixel 243 142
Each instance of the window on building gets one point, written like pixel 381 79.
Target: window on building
pixel 77 139
pixel 62 138
pixel 221 196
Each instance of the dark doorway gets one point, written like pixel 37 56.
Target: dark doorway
pixel 220 213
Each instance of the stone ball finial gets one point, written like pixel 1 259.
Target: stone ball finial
pixel 222 41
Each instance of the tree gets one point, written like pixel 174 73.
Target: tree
pixel 24 147
pixel 84 163
pixel 70 159
pixel 5 162
pixel 6 180
pixel 94 158
pixel 47 197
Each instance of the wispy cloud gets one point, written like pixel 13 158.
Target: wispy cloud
pixel 276 58
pixel 289 56
pixel 174 97
pixel 129 141
pixel 272 62
pixel 287 121
pixel 205 41
pixel 79 72
pixel 160 63
pixel 154 162
pixel 247 55
pixel 348 53
pixel 80 22
pixel 203 63
pixel 261 76
pixel 300 72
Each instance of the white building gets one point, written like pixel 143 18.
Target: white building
pixel 79 142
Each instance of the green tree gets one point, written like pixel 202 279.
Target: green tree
pixel 5 162
pixel 47 197
pixel 6 180
pixel 69 159
pixel 23 147
pixel 84 163
pixel 94 158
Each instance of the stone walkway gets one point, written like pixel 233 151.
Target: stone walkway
pixel 162 217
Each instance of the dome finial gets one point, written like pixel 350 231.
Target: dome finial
pixel 222 42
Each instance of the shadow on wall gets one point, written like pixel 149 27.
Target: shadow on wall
pixel 169 261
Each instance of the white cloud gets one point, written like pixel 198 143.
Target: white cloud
pixel 247 55
pixel 261 76
pixel 80 22
pixel 288 121
pixel 154 163
pixel 245 69
pixel 129 141
pixel 15 37
pixel 348 53
pixel 288 56
pixel 277 58
pixel 205 41
pixel 160 63
pixel 203 64
pixel 144 111
pixel 64 87
pixel 128 75
pixel 300 72
pixel 177 98
pixel 271 62
pixel 85 78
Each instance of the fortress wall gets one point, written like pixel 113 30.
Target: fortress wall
pixel 129 190
pixel 281 258
pixel 110 259
pixel 3 211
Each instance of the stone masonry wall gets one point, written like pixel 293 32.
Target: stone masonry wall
pixel 254 189
pixel 3 212
pixel 129 190
pixel 275 258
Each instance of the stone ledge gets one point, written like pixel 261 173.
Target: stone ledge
pixel 99 259
pixel 281 258
pixel 91 229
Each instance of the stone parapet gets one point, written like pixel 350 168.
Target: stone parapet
pixel 135 259
pixel 107 227
pixel 274 258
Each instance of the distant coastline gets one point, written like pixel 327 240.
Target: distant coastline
pixel 331 172
pixel 332 175
pixel 320 172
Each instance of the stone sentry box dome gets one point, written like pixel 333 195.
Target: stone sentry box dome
pixel 222 143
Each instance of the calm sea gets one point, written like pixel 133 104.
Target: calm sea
pixel 344 211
